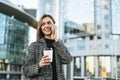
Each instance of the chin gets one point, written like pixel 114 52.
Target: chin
pixel 49 34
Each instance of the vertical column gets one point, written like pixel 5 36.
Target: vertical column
pixel 82 66
pixel 71 74
pixel 22 76
pixel 65 71
pixel 112 67
pixel 8 69
pixel 96 66
pixel 116 67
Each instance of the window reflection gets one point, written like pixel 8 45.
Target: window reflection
pixel 68 72
pixel 90 66
pixel 80 21
pixel 15 67
pixel 77 66
pixel 115 66
pixel 3 66
pixel 104 66
pixel 2 76
pixel 15 77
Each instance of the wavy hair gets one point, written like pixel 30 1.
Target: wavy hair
pixel 39 33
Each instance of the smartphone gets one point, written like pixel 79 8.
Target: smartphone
pixel 52 31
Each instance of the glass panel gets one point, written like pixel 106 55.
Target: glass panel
pixel 15 77
pixel 18 40
pixel 104 66
pixel 81 44
pixel 2 28
pixel 2 76
pixel 90 66
pixel 116 66
pixel 79 21
pixel 77 66
pixel 15 68
pixel 68 72
pixel 3 67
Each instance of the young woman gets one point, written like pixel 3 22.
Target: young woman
pixel 39 66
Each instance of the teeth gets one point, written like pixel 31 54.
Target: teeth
pixel 47 29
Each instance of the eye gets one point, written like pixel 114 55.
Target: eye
pixel 49 22
pixel 43 24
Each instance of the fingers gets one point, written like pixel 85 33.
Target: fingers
pixel 55 28
pixel 54 35
pixel 44 61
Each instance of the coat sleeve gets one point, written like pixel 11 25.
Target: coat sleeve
pixel 63 52
pixel 30 68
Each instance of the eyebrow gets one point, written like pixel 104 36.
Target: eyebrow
pixel 46 22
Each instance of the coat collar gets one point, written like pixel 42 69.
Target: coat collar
pixel 41 39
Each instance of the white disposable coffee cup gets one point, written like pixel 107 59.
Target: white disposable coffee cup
pixel 49 52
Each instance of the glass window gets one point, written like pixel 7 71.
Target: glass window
pixel 99 46
pixel 79 22
pixel 107 26
pixel 70 48
pixel 3 66
pixel 107 17
pixel 116 66
pixel 99 27
pixel 14 67
pixel 15 77
pixel 107 36
pixel 99 37
pixel 104 66
pixel 17 41
pixel 2 76
pixel 2 28
pixel 68 72
pixel 106 46
pixel 91 37
pixel 81 44
pixel 77 66
pixel 90 66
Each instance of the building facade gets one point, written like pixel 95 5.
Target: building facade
pixel 14 39
pixel 97 57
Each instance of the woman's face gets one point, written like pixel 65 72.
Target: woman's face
pixel 46 27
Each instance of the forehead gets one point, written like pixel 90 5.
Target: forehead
pixel 47 19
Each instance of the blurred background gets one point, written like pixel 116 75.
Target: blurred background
pixel 90 30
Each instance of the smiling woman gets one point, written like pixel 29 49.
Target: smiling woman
pixel 38 66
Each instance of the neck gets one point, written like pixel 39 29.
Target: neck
pixel 48 37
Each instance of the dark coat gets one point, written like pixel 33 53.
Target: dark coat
pixel 35 53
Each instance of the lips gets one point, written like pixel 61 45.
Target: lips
pixel 47 29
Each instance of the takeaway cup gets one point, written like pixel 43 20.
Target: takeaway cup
pixel 49 52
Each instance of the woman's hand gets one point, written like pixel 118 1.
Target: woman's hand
pixel 54 32
pixel 44 61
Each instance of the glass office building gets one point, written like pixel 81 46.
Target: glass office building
pixel 14 39
pixel 13 45
pixel 97 56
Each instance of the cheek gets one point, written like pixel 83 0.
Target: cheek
pixel 42 29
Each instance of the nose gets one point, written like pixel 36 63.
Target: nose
pixel 47 25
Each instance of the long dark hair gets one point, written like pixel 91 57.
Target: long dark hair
pixel 39 33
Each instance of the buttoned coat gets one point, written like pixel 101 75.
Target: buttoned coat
pixel 35 53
